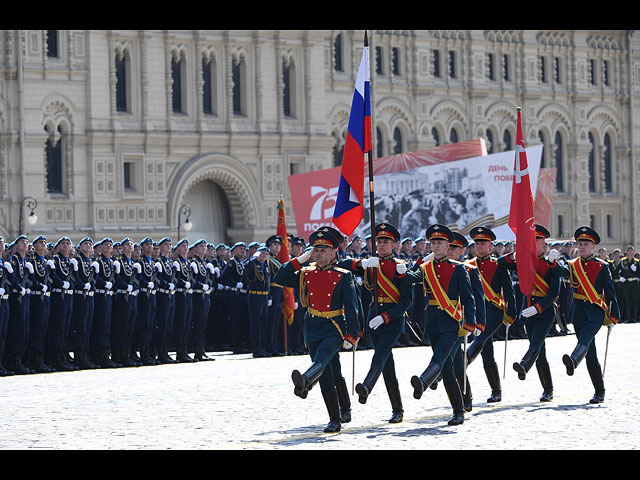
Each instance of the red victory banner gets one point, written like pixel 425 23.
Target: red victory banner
pixel 288 300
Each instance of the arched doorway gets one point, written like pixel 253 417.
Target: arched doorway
pixel 210 215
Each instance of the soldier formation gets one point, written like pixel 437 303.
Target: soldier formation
pixel 107 304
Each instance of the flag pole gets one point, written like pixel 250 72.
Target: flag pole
pixel 372 212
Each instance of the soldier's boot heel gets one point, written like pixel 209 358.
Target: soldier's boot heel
pixel 303 382
pixel 595 373
pixel 424 381
pixel 525 364
pixel 364 389
pixel 572 361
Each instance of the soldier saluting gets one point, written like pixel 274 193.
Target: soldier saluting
pixel 594 304
pixel 331 321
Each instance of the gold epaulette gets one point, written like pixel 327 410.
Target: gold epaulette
pixel 341 270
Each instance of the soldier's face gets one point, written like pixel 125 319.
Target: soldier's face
pixel 40 247
pixel 262 256
pixel 323 255
pixel 384 246
pixel 86 248
pixel 483 247
pixel 439 247
pixel 454 253
pixel 147 249
pixel 585 248
pixel 127 248
pixel 65 247
pixel 107 248
pixel 21 246
pixel 275 248
pixel 540 245
pixel 165 248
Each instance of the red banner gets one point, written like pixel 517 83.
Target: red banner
pixel 288 300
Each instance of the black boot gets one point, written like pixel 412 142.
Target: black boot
pixel 493 376
pixel 455 397
pixel 163 355
pixel 333 407
pixel 572 361
pixel 303 382
pixel 473 350
pixel 3 371
pixel 17 366
pixel 145 357
pixel 544 372
pixel 343 400
pixel 104 361
pixel 258 351
pixel 181 355
pixel 598 383
pixel 364 389
pixel 38 364
pixel 397 412
pixel 60 364
pixel 526 363
pixel 424 381
pixel 466 397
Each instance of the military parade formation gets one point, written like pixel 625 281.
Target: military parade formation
pixel 106 304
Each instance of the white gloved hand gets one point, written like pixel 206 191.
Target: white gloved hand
pixel 44 288
pixel 553 255
pixel 205 287
pixel 1 291
pixel 29 267
pixel 158 266
pixel 304 257
pixel 74 262
pixel 23 290
pixel 220 286
pixel 269 303
pixel 129 288
pixel 96 266
pixel 359 280
pixel 255 255
pixel 187 285
pixel 116 266
pixel 176 265
pixel 211 268
pixel 372 262
pixel 426 258
pixel 239 285
pixel 172 286
pixel 217 270
pixel 194 267
pixel 622 279
pixel 401 268
pixel 633 267
pixel 477 332
pixel 87 286
pixel 376 322
pixel 65 285
pixel 347 345
pixel 150 285
pixel 51 264
pixel 295 305
pixel 108 285
pixel 137 267
pixel 529 312
pixel 8 267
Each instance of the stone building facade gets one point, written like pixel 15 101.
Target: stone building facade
pixel 112 132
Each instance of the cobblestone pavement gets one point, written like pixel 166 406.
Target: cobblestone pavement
pixel 238 402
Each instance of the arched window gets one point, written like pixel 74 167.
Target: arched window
pixel 592 164
pixel 238 74
pixel 53 160
pixel 179 84
pixel 608 181
pixel 489 136
pixel 559 162
pixel 52 43
pixel 337 53
pixel 544 151
pixel 288 91
pixel 397 137
pixel 453 136
pixel 209 88
pixel 379 143
pixel 123 84
pixel 436 136
pixel 506 138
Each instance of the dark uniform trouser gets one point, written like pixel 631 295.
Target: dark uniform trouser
pixel 383 343
pixel 100 337
pixel 273 331
pixel 258 309
pixel 212 333
pixel 538 327
pixel 59 321
pixel 294 331
pixel 201 305
pixel 324 351
pixel 494 317
pixel 39 321
pixel 239 312
pixel 586 331
pixel 182 319
pixel 145 320
pixel 4 324
pixel 165 309
pixel 18 328
pixel 121 320
pixel 81 322
pixel 444 348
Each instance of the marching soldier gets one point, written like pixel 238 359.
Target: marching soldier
pixel 184 304
pixel 331 321
pixel 123 315
pixel 83 304
pixel 201 298
pixel 540 315
pixel 5 272
pixel 257 280
pixel 165 302
pixel 146 302
pixel 500 305
pixel 61 306
pixel 386 314
pixel 39 306
pixel 19 302
pixel 594 304
pixel 100 339
pixel 450 314
pixel 629 276
pixel 232 277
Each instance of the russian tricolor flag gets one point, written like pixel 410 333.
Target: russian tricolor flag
pixel 347 214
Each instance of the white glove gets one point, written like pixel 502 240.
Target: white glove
pixel 269 303
pixel 172 286
pixel 477 332
pixel 401 268
pixel 295 305
pixel 359 280
pixel 553 255
pixel 1 291
pixel 158 266
pixel 194 267
pixel 426 258
pixel 304 257
pixel 529 312
pixel 44 289
pixel 205 287
pixel 116 266
pixel 634 268
pixel 376 321
pixel 65 285
pixel 87 286
pixel 211 268
pixel 129 288
pixel 217 270
pixel 108 285
pixel 96 266
pixel 29 267
pixel 176 265
pixel 372 262
pixel 137 267
pixel 347 345
pixel 52 264
pixel 23 290
pixel 150 285
pixel 220 286
pixel 8 267
pixel 622 279
pixel 74 262
pixel 255 255
pixel 239 285
pixel 187 285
